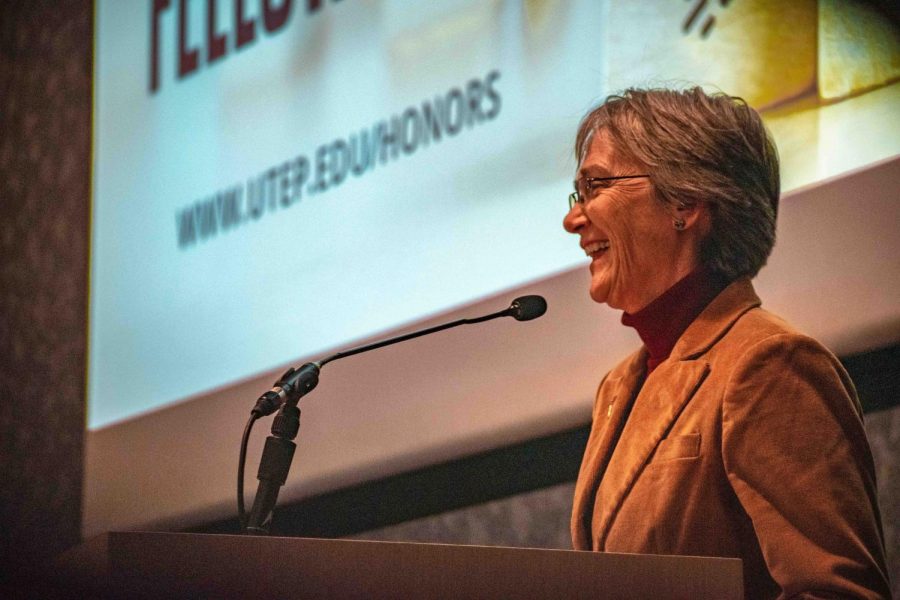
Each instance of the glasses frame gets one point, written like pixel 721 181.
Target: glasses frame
pixel 576 197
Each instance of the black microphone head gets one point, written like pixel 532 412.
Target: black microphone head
pixel 526 308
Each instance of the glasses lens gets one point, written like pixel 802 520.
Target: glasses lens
pixel 573 200
pixel 582 191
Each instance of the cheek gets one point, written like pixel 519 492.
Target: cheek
pixel 616 222
pixel 610 214
pixel 636 231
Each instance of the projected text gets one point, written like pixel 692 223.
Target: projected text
pixel 272 16
pixel 282 186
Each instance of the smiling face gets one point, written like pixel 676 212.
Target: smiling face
pixel 636 253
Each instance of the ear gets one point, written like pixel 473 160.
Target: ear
pixel 692 215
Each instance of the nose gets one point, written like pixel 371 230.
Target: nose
pixel 575 219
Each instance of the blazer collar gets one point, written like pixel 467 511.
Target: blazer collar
pixel 715 320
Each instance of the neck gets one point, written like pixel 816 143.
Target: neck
pixel 661 322
pixel 685 265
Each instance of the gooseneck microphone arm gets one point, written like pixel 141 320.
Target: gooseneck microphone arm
pixel 409 336
pixel 296 383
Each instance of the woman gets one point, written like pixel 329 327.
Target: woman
pixel 728 433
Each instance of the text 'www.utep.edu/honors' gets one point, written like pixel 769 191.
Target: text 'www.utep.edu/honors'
pixel 285 184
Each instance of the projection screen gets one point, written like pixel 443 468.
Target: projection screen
pixel 275 181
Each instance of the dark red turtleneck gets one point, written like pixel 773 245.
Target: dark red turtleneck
pixel 662 322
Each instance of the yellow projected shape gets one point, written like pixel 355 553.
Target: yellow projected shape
pixel 859 48
pixel 539 12
pixel 817 142
pixel 543 22
pixel 438 39
pixel 761 50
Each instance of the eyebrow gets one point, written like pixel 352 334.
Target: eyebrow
pixel 587 171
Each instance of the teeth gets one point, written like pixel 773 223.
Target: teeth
pixel 596 247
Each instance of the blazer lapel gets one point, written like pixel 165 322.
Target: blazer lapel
pixel 662 398
pixel 609 414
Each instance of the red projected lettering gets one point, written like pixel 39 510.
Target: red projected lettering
pixel 215 42
pixel 187 57
pixel 273 15
pixel 246 29
pixel 158 7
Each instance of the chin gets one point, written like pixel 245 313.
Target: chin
pixel 601 286
pixel 600 294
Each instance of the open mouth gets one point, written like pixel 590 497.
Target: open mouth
pixel 594 249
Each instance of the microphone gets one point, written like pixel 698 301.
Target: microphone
pixel 296 383
pixel 527 308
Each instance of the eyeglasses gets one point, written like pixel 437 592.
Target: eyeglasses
pixel 587 187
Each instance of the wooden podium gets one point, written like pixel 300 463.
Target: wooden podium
pixel 156 565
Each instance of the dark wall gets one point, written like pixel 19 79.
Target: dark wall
pixel 45 132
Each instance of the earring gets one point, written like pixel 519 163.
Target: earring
pixel 679 224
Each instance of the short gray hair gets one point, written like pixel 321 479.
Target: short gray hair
pixel 701 147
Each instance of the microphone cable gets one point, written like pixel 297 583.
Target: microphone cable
pixel 242 460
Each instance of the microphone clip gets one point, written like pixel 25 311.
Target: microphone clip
pixel 290 387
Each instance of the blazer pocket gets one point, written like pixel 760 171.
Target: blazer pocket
pixel 678 446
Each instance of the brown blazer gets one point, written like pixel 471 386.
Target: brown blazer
pixel 746 442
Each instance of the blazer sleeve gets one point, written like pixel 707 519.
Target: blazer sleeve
pixel 795 452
